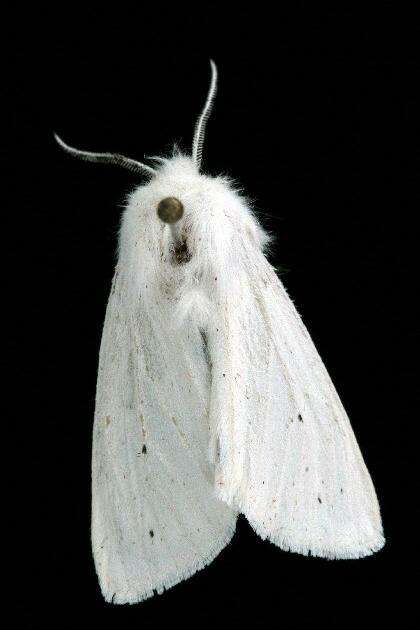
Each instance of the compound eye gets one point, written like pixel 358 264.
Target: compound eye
pixel 170 210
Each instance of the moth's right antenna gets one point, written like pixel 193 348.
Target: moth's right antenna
pixel 200 128
pixel 107 158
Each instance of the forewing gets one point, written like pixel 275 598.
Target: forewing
pixel 155 517
pixel 285 452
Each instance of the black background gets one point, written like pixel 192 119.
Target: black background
pixel 316 116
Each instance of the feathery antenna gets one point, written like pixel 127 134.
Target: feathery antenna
pixel 200 128
pixel 107 158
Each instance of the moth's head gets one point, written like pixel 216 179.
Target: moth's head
pixel 176 194
pixel 184 215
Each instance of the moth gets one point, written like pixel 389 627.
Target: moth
pixel 211 397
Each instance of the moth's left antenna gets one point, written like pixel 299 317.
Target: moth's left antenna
pixel 107 158
pixel 200 128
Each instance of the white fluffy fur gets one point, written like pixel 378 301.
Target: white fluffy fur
pixel 212 400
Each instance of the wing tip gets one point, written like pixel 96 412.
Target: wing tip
pixel 333 552
pixel 347 546
pixel 118 595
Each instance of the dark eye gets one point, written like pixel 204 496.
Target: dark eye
pixel 170 210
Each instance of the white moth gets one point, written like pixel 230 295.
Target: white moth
pixel 211 399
